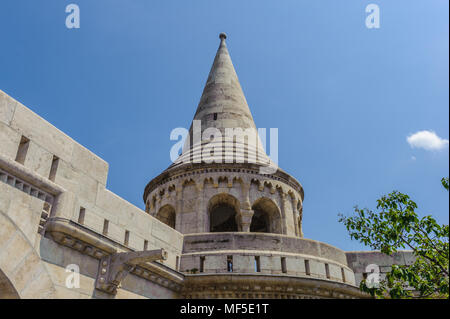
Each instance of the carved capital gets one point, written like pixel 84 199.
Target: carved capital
pixel 245 219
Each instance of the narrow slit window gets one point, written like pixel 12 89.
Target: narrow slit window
pixel 53 169
pixel 127 238
pixel 257 264
pixel 105 227
pixel 327 270
pixel 23 149
pixel 283 265
pixel 145 244
pixel 177 263
pixel 307 269
pixel 215 116
pixel 343 274
pixel 202 263
pixel 81 216
pixel 230 263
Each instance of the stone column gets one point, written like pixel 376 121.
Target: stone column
pixel 201 224
pixel 151 210
pixel 245 204
pixel 157 204
pixel 296 216
pixel 283 213
pixel 178 208
pixel 246 213
pixel 245 219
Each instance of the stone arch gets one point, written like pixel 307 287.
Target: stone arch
pixel 266 217
pixel 279 188
pixel 21 268
pixel 291 194
pixel 7 290
pixel 208 180
pixel 223 212
pixel 187 182
pixel 222 179
pixel 238 179
pixel 167 215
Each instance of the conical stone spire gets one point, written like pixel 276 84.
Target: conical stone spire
pixel 223 107
pixel 194 181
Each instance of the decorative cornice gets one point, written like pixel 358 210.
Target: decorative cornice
pixel 192 169
pixel 23 173
pixel 265 286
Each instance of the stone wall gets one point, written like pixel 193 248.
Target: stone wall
pixel 56 179
pixel 264 254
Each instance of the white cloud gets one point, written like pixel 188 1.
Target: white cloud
pixel 427 140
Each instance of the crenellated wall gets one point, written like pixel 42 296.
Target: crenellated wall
pixel 258 253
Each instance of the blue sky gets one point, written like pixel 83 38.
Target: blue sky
pixel 344 97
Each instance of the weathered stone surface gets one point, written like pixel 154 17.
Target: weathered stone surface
pixel 364 262
pixel 9 141
pixel 7 108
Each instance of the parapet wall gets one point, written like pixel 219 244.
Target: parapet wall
pixel 274 254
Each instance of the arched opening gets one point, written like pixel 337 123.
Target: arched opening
pixel 260 222
pixel 223 209
pixel 166 214
pixel 266 217
pixel 7 290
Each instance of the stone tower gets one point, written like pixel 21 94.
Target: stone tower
pixel 220 221
pixel 241 220
pixel 229 192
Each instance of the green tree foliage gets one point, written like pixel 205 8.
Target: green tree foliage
pixel 395 225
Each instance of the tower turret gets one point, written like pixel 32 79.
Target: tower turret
pixel 223 122
pixel 241 225
pixel 218 183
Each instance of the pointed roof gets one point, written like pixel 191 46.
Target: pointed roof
pixel 223 106
pixel 223 94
